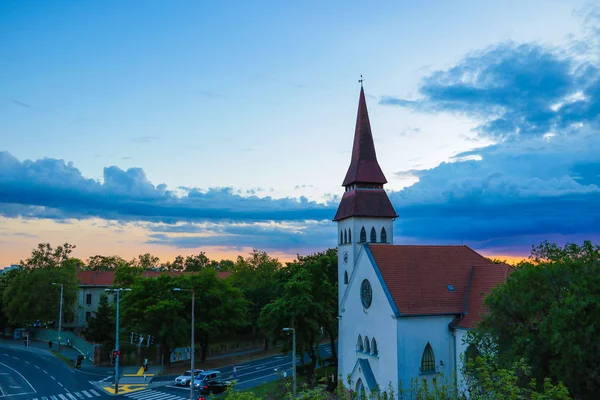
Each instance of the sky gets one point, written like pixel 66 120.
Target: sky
pixel 184 126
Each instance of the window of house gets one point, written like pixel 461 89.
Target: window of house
pixel 374 350
pixel 345 277
pixel 345 236
pixel 88 315
pixel 383 236
pixel 341 237
pixel 428 359
pixel 373 235
pixel 349 236
pixel 363 235
pixel 367 345
pixel 359 344
pixel 88 299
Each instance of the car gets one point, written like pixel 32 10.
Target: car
pixel 185 379
pixel 209 382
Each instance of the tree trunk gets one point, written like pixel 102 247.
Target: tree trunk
pixel 310 370
pixel 203 347
pixel 334 355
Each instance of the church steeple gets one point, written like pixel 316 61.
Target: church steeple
pixel 364 195
pixel 364 167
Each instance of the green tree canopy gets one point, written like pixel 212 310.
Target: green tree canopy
pixel 547 313
pixel 101 327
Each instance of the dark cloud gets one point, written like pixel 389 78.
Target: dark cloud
pixel 521 90
pixel 51 188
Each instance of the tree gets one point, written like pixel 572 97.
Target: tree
pixel 196 263
pixel 5 279
pixel 46 256
pixel 546 313
pixel 125 275
pixel 153 308
pixel 255 276
pixel 29 295
pixel 101 326
pixel 105 263
pixel 146 262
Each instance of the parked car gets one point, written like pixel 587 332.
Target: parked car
pixel 185 379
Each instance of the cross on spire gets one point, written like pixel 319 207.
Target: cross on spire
pixel 361 81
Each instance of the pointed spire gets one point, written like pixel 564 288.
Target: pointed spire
pixel 364 167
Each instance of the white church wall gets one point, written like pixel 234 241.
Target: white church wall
pixel 375 322
pixel 413 335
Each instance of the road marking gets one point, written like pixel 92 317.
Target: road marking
pixel 16 358
pixel 71 396
pixel 153 395
pixel 37 367
pixel 53 398
pixel 52 377
pixel 45 371
pixel 60 384
pixel 79 395
pixel 93 391
pixel 18 373
pixel 27 362
pixel 87 394
pixel 62 397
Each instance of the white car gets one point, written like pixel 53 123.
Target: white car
pixel 185 379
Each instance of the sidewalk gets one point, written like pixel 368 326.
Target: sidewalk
pixel 66 353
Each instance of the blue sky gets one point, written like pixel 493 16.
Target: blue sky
pixel 175 127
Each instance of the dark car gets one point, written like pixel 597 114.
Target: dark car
pixel 209 382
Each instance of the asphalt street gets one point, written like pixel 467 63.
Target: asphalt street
pixel 29 374
pixel 248 374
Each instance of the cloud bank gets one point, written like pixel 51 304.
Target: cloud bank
pixel 541 180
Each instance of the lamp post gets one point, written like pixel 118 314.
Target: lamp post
pixel 118 291
pixel 192 344
pixel 293 353
pixel 60 312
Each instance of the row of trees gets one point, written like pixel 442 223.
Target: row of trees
pixel 261 296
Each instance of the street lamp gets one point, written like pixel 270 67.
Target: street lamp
pixel 293 353
pixel 192 360
pixel 59 312
pixel 118 291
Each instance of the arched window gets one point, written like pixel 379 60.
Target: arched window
pixel 374 350
pixel 345 236
pixel 367 345
pixel 349 236
pixel 360 390
pixel 345 277
pixel 373 235
pixel 341 237
pixel 428 360
pixel 383 236
pixel 363 235
pixel 359 344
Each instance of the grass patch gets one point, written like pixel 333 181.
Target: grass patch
pixel 261 391
pixel 64 358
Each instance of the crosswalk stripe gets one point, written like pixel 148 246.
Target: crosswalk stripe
pixel 93 391
pixel 86 393
pixel 150 394
pixel 79 395
pixel 53 398
pixel 71 396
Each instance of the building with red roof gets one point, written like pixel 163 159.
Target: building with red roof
pixel 403 310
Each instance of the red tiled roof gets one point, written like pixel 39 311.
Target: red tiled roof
pixel 107 278
pixel 365 203
pixel 417 278
pixel 484 280
pixel 363 165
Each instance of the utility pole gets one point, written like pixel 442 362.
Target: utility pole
pixel 192 344
pixel 117 338
pixel 293 353
pixel 60 313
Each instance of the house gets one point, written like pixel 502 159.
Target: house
pixel 92 285
pixel 403 310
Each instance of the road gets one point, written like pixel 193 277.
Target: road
pixel 29 374
pixel 248 374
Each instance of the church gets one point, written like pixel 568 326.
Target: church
pixel 403 309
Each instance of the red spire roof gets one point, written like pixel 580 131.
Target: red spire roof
pixel 364 167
